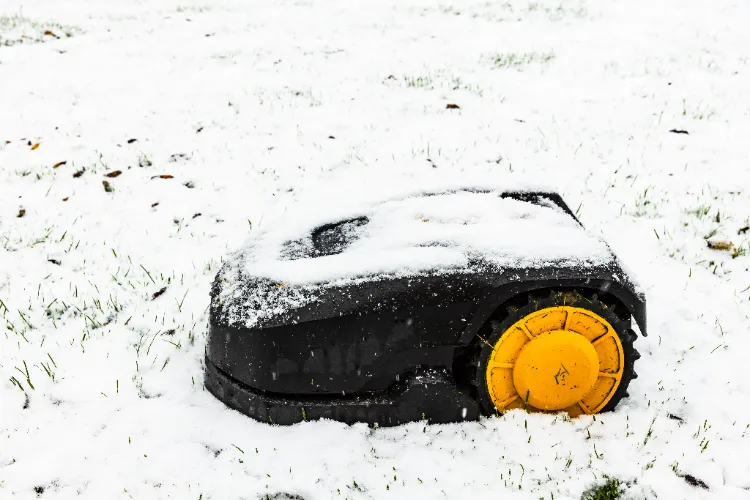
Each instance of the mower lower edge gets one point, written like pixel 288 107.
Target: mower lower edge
pixel 429 394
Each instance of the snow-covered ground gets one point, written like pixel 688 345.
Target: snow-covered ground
pixel 219 113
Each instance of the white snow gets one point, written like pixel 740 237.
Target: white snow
pixel 238 102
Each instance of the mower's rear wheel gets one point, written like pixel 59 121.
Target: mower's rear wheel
pixel 563 352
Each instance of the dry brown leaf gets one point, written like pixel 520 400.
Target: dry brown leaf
pixel 59 164
pixel 720 245
pixel 114 173
pixel 35 146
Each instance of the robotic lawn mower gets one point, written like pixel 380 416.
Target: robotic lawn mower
pixel 437 306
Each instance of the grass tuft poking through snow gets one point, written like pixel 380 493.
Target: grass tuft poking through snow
pixel 17 29
pixel 610 490
pixel 512 60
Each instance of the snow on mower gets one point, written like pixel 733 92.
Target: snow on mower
pixel 440 306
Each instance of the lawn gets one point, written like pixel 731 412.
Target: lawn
pixel 142 142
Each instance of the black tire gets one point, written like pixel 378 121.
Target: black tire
pixel 607 307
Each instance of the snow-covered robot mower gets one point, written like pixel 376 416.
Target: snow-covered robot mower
pixel 437 306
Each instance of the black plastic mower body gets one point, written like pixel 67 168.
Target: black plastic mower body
pixel 381 351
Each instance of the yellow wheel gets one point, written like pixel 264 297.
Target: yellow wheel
pixel 564 353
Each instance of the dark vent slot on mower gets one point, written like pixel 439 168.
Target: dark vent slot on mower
pixel 334 238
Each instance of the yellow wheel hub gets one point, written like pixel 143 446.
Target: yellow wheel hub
pixel 555 370
pixel 560 358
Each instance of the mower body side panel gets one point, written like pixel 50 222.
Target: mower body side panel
pixel 353 354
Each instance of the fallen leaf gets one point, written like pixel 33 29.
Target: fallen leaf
pixel 107 186
pixel 743 230
pixel 76 175
pixel 452 106
pixel 21 213
pixel 693 481
pixel 179 156
pixel 163 176
pixel 114 173
pixel 720 245
pixel 677 131
pixel 59 164
pixel 35 146
pixel 159 293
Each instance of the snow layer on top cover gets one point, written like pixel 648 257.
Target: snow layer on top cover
pixel 379 229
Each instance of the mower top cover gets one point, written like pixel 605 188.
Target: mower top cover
pixel 468 230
